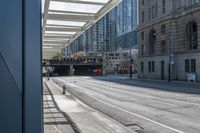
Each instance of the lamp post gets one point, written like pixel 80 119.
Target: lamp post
pixel 47 65
pixel 171 55
pixel 104 43
pixel 131 76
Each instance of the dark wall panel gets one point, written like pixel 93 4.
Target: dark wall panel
pixel 11 66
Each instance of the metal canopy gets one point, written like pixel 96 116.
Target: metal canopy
pixel 65 20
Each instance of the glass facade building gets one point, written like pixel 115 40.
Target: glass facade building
pixel 126 13
pixel 117 29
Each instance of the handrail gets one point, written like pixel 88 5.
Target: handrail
pixel 3 59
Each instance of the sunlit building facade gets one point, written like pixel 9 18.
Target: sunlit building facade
pixel 168 37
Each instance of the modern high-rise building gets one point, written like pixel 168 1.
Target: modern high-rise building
pixel 117 29
pixel 126 21
pixel 126 13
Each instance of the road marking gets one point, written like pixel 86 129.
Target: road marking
pixel 151 100
pixel 157 123
pixel 57 130
pixel 147 119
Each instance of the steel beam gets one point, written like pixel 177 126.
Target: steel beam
pixel 79 18
pixel 58 37
pixel 70 12
pixel 64 29
pixel 63 26
pixel 55 42
pixel 46 9
pixel 81 2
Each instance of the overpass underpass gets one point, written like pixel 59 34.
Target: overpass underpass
pixel 75 69
pixel 87 70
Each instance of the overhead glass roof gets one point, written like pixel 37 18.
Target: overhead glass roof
pixel 74 7
pixel 65 20
pixel 60 32
pixel 65 23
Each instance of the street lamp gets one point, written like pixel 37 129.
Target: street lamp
pixel 131 76
pixel 171 55
pixel 104 43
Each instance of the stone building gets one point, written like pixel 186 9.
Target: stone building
pixel 169 39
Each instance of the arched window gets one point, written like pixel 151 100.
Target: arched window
pixel 152 41
pixel 192 35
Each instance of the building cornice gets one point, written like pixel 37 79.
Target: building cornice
pixel 176 15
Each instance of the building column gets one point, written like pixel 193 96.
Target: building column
pixel 173 45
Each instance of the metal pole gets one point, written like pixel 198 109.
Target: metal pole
pixel 131 76
pixel 48 71
pixel 170 53
pixel 103 59
pixel 104 56
pixel 169 72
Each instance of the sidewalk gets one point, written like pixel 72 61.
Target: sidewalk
pixel 85 118
pixel 173 81
pixel 127 76
pixel 55 121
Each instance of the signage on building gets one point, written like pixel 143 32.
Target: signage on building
pixel 100 54
pixel 191 77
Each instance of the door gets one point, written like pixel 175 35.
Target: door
pixel 162 70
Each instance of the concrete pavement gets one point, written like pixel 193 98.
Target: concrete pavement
pixel 114 77
pixel 150 107
pixel 86 119
pixel 55 121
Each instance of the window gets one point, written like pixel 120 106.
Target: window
pixel 163 7
pixel 192 35
pixel 142 16
pixel 142 36
pixel 190 66
pixel 163 46
pixel 187 66
pixel 163 29
pixel 156 10
pixel 142 2
pixel 153 66
pixel 190 3
pixel 149 66
pixel 152 41
pixel 149 13
pixel 193 66
pixel 143 49
pixel 142 67
pixel 153 12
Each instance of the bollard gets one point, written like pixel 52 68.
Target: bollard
pixel 64 89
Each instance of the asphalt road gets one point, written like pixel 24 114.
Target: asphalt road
pixel 149 107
